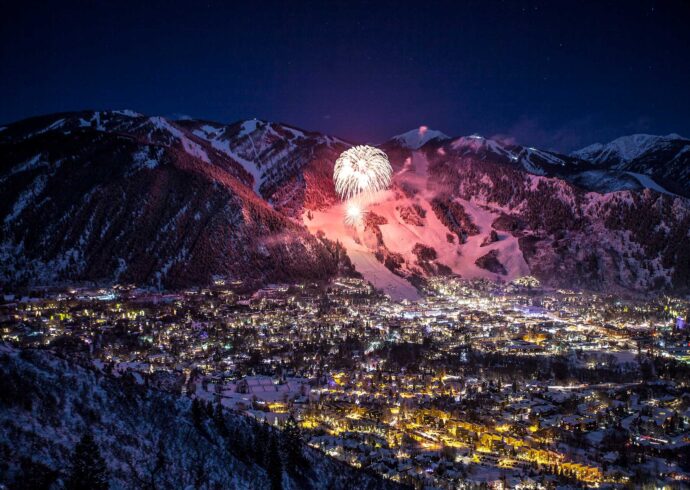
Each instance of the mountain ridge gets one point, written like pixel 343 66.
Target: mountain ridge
pixel 174 203
pixel 628 147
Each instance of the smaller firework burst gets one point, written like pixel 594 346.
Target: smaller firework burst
pixel 354 214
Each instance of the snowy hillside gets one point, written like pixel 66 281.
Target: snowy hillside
pixel 117 196
pixel 411 238
pixel 532 160
pixel 275 155
pixel 628 240
pixel 664 159
pixel 626 148
pixel 463 209
pixel 148 438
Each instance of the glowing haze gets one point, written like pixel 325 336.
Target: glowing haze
pixel 353 213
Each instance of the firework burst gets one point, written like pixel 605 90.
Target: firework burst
pixel 354 214
pixel 361 170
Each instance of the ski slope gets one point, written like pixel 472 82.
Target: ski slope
pixel 400 237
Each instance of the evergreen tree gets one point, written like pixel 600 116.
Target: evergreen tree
pixel 161 459
pixel 219 420
pixel 197 413
pixel 274 465
pixel 262 439
pixel 292 444
pixel 88 470
pixel 35 476
pixel 209 409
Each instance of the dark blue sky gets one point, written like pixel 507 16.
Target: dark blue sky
pixel 551 74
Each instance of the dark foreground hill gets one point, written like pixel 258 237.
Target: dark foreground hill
pixel 148 438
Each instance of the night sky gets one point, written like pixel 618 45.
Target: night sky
pixel 552 74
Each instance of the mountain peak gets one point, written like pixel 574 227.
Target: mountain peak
pixel 416 138
pixel 626 148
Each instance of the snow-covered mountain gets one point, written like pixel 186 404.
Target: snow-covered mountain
pixel 532 160
pixel 416 138
pixel 627 148
pixel 664 159
pixel 469 208
pixel 119 196
pixel 280 158
pixel 660 163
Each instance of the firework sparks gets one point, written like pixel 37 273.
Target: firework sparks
pixel 361 170
pixel 353 214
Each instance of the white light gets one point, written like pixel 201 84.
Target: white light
pixel 353 214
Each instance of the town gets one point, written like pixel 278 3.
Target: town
pixel 506 385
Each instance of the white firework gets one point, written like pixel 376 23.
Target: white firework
pixel 354 214
pixel 361 170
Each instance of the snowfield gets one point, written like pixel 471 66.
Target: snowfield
pixel 401 237
pixel 331 223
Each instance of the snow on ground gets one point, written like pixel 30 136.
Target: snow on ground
pixel 221 143
pixel 127 112
pixel 296 133
pixel 382 278
pixel 261 388
pixel 142 159
pixel 30 164
pixel 26 197
pixel 94 122
pixel 625 148
pixel 401 237
pixel 52 127
pixel 332 224
pixel 544 155
pixel 603 181
pixel 248 127
pixel 648 182
pixel 191 147
pixel 251 167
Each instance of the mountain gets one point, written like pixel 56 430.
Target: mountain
pixel 627 240
pixel 119 196
pixel 416 138
pixel 665 160
pixel 115 195
pixel 653 162
pixel 625 149
pixel 149 438
pixel 290 167
pixel 660 163
pixel 480 208
pixel 532 160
